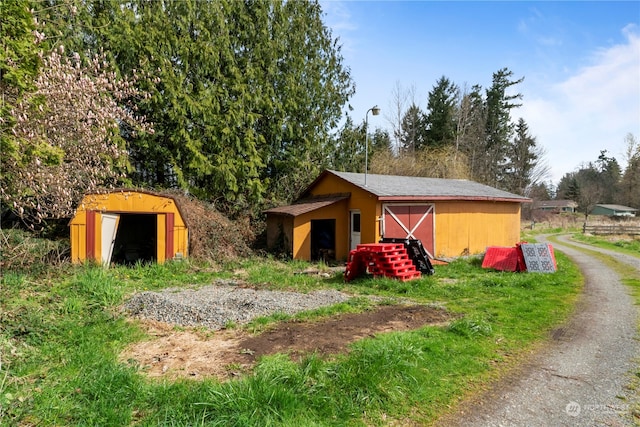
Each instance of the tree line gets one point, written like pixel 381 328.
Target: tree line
pixel 239 103
pixel 468 134
pixel 602 181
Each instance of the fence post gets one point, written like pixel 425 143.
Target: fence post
pixel 584 228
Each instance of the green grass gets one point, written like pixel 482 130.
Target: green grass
pixel 61 337
pixel 630 247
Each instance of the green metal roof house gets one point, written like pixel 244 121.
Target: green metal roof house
pixel 614 210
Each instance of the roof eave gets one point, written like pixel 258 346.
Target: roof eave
pixel 452 198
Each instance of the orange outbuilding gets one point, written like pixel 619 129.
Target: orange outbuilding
pixel 339 210
pixel 128 226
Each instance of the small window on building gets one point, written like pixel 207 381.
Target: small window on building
pixel 356 222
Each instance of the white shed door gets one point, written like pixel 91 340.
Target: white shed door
pixel 109 229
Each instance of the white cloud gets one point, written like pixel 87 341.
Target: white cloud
pixel 590 111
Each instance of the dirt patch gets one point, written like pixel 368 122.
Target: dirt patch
pixel 228 353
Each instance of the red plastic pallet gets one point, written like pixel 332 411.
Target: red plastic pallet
pixel 380 247
pixel 381 260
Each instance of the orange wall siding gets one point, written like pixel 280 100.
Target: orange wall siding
pixel 302 237
pixel 364 201
pixel 370 211
pixel 127 202
pixel 78 241
pixel 181 240
pixel 302 230
pixel 469 227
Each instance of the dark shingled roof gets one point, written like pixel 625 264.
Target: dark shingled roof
pixel 393 187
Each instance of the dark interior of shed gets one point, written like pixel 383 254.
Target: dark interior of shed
pixel 323 239
pixel 136 239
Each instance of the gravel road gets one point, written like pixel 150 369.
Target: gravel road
pixel 579 379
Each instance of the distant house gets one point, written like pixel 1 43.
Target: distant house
pixel 556 205
pixel 340 210
pixel 614 210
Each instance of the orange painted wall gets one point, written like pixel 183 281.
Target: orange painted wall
pixel 127 202
pixel 469 227
pixel 302 230
pixel 370 210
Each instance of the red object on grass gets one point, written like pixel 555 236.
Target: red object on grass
pixel 504 259
pixel 381 260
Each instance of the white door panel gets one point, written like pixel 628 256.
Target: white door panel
pixel 109 229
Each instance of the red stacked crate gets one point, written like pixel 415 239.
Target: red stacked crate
pixel 381 260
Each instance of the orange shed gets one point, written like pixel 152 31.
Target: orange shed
pixel 127 226
pixel 340 210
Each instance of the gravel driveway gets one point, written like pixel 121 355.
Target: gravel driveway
pixel 580 378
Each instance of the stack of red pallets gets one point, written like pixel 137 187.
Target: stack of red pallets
pixel 381 260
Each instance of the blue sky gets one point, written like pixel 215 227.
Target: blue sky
pixel 580 62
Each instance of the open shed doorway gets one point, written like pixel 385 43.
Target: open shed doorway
pixel 136 239
pixel 323 240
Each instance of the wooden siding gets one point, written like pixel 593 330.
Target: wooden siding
pixel 302 230
pixel 469 227
pixel 127 202
pixel 367 203
pixel 79 237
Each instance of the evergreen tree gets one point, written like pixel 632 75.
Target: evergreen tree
pixel 499 128
pixel 583 186
pixel 609 177
pixel 381 141
pixel 440 121
pixel 629 194
pixel 540 191
pixel 568 187
pixel 522 159
pixel 412 130
pixel 244 94
pixel 349 153
pixel 471 130
pixel 19 66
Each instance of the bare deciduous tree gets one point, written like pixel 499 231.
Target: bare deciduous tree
pixel 401 100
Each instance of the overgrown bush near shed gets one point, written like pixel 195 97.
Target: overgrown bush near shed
pixel 213 236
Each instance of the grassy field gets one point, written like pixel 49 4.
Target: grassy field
pixel 62 333
pixel 628 246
